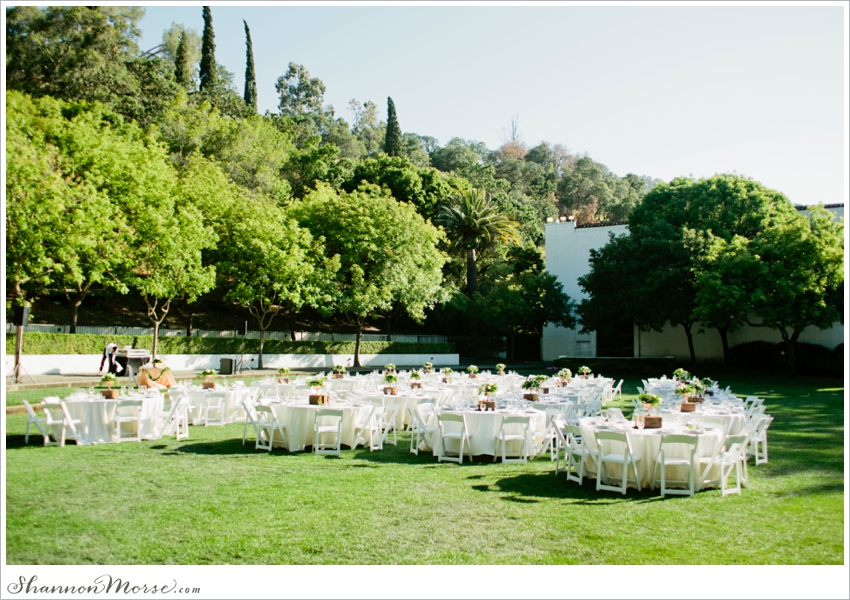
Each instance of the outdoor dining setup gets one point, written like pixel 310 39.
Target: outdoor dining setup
pixel 683 435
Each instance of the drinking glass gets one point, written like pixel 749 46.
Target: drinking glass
pixel 640 420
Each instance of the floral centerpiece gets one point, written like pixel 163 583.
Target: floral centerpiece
pixel 681 374
pixel 390 380
pixel 415 379
pixel 109 379
pixel 585 372
pixel 473 371
pixel 487 389
pixel 500 369
pixel 389 368
pixel 339 371
pixel 317 397
pixel 707 383
pixel 686 389
pixel 447 374
pixel 283 375
pixel 649 400
pixel 533 384
pixel 208 375
pixel 565 375
pixel 427 367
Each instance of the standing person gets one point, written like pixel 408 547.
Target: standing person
pixel 109 355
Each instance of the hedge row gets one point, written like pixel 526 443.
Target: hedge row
pixel 810 359
pixel 65 343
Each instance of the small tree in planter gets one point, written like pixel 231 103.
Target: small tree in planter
pixel 339 372
pixel 109 380
pixel 283 375
pixel 389 368
pixel 447 374
pixel 532 384
pixel 426 367
pixel 317 397
pixel 473 371
pixel 208 374
pixel 585 372
pixel 415 379
pixel 390 380
pixel 500 369
pixel 566 375
pixel 681 374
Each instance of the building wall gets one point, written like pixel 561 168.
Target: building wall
pixel 567 257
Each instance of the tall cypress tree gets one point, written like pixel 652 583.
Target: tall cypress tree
pixel 250 75
pixel 392 143
pixel 208 67
pixel 181 69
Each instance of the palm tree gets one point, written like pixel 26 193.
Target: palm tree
pixel 473 223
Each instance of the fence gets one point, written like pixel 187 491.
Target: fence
pixel 301 336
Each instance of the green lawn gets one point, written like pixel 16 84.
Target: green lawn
pixel 209 500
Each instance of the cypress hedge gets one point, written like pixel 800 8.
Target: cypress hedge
pixel 66 343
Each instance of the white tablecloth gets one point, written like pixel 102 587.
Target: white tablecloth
pixel 152 409
pixel 96 416
pixel 407 399
pixel 484 427
pixel 646 444
pixel 233 411
pixel 300 421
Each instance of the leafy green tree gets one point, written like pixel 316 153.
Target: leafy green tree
pixel 182 47
pixel 802 269
pixel 181 64
pixel 387 253
pixel 269 264
pixel 393 143
pixel 474 224
pixel 460 156
pixel 313 163
pixel 250 75
pixel 525 302
pixel 208 73
pixel 366 125
pixel 301 98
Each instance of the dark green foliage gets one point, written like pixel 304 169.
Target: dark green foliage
pixel 63 343
pixel 182 70
pixel 810 359
pixel 209 70
pixel 393 143
pixel 759 356
pixel 250 75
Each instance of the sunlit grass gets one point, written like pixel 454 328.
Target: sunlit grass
pixel 209 500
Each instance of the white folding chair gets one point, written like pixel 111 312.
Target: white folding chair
pixel 461 434
pixel 578 452
pixel 625 458
pixel 176 422
pixel 368 422
pixel 553 437
pixel 504 436
pixel 421 414
pixel 328 421
pixel 759 447
pixel 251 419
pixel 668 456
pixel 267 425
pixel 388 419
pixel 214 408
pixel 33 419
pixel 129 412
pixel 731 459
pixel 617 390
pixel 56 415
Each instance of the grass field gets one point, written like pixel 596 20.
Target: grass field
pixel 209 500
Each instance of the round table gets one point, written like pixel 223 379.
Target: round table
pixel 96 414
pixel 646 444
pixel 300 421
pixel 483 429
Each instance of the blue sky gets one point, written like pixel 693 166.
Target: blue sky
pixel 660 91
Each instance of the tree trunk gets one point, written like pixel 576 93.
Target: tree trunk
pixel 357 342
pixel 724 341
pixel 691 343
pixel 155 337
pixel 75 308
pixel 260 357
pixel 471 272
pixel 292 334
pixel 19 342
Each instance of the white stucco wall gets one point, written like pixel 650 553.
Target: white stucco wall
pixel 567 257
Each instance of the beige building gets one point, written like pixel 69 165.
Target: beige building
pixel 568 246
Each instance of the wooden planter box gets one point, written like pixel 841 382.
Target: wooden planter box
pixel 532 397
pixel 426 371
pixel 391 390
pixel 500 373
pixel 339 375
pixel 688 407
pixel 696 399
pixel 283 379
pixel 489 405
pixel 415 385
pixel 651 422
pixel 545 390
pixel 316 399
pixel 447 379
pixel 109 394
pixel 208 385
pixel 473 375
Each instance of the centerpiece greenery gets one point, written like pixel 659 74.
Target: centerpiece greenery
pixel 339 369
pixel 390 379
pixel 109 379
pixel 681 374
pixel 207 373
pixel 472 370
pixel 500 369
pixel 389 368
pixel 585 371
pixel 488 388
pixel 565 374
pixel 415 375
pixel 649 400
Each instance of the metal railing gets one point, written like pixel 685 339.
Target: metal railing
pixel 301 336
